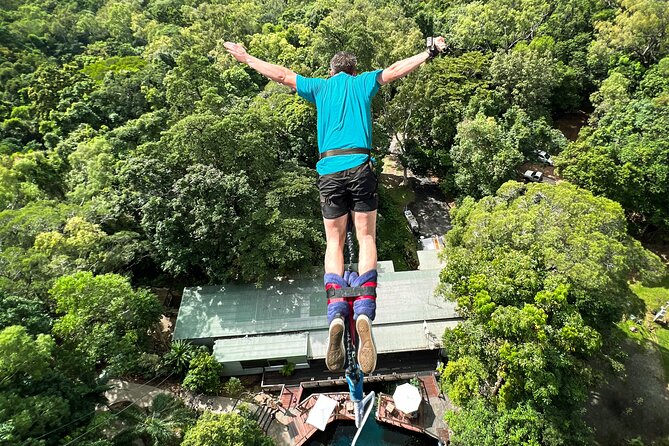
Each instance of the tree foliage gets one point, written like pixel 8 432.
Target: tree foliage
pixel 103 317
pixel 164 422
pixel 37 396
pixel 483 159
pixel 228 428
pixel 540 273
pixel 135 151
pixel 639 29
pixel 623 154
pixel 204 374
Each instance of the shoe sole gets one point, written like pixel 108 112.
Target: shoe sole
pixel 367 349
pixel 336 354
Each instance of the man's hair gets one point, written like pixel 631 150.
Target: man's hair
pixel 343 61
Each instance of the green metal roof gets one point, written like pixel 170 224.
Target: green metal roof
pixel 261 347
pixel 300 305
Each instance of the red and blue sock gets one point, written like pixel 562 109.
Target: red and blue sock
pixel 337 306
pixel 364 304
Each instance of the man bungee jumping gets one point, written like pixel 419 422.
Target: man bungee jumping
pixel 347 183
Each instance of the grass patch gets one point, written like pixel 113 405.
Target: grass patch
pixel 640 335
pixel 662 336
pixel 394 239
pixel 654 297
pixel 401 196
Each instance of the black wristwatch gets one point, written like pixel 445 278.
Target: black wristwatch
pixel 432 49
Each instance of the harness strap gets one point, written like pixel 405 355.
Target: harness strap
pixel 333 286
pixel 356 291
pixel 335 152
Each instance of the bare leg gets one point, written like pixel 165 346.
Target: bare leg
pixel 365 229
pixel 335 234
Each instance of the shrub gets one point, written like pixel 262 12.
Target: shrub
pixel 204 374
pixel 288 369
pixel 233 387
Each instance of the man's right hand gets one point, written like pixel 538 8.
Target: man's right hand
pixel 277 73
pixel 237 51
pixel 440 43
pixel 435 46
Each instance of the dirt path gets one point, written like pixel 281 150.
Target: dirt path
pixel 429 205
pixel 431 210
pixel 570 124
pixel 636 405
pixel 142 395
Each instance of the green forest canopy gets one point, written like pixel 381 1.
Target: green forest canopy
pixel 134 151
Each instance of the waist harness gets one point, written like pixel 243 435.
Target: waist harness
pixel 352 151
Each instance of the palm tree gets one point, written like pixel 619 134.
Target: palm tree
pixel 179 356
pixel 161 424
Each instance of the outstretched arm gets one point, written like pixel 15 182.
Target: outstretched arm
pixel 277 73
pixel 403 67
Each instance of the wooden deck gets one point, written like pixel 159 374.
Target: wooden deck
pixel 387 413
pixel 429 419
pixel 290 396
pixel 300 431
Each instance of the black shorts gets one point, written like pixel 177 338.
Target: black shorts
pixel 353 189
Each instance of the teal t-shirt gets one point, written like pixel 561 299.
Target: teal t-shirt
pixel 344 107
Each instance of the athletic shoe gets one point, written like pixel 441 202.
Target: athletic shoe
pixel 366 349
pixel 336 354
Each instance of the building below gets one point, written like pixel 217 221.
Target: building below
pixel 428 420
pixel 261 329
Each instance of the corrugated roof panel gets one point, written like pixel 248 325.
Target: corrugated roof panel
pixel 429 260
pixel 261 347
pixel 300 305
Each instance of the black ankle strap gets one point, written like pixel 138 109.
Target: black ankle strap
pixel 355 291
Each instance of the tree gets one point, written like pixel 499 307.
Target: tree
pixel 216 222
pixel 234 387
pixel 527 75
pixel 103 317
pixel 482 157
pixel 256 209
pixel 377 35
pixel 177 359
pixel 116 18
pixel 213 22
pixel 73 245
pixel 228 428
pixel 531 135
pixel 540 274
pixel 483 424
pixel 91 169
pixel 623 153
pixel 195 83
pixel 429 104
pixel 640 28
pixel 28 312
pixel 497 24
pixel 39 402
pixel 23 357
pixel 31 176
pixel 164 422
